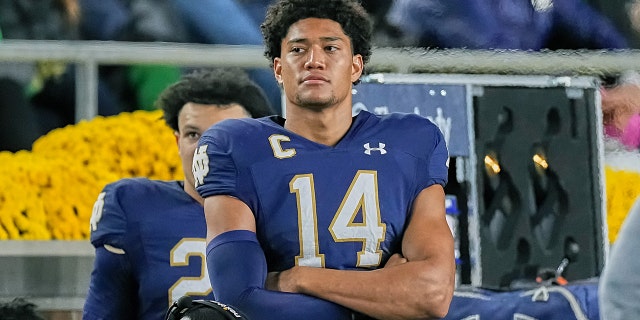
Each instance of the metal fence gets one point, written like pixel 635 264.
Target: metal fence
pixel 73 263
pixel 89 55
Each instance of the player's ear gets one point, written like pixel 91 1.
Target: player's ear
pixel 277 70
pixel 357 66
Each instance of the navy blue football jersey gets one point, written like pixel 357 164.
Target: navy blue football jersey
pixel 150 247
pixel 339 207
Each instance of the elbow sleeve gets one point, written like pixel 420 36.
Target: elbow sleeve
pixel 238 269
pixel 236 264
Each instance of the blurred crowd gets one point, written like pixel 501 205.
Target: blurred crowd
pixel 46 97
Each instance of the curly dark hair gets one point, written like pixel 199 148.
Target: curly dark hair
pixel 219 86
pixel 19 309
pixel 348 13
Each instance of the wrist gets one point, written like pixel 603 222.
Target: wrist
pixel 290 280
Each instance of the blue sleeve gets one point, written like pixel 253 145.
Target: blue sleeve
pixel 108 220
pixel 112 293
pixel 586 26
pixel 237 270
pixel 213 167
pixel 438 166
pixel 217 162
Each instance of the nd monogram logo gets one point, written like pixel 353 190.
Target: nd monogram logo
pixel 380 148
pixel 200 166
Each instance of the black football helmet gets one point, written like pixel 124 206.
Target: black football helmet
pixel 202 309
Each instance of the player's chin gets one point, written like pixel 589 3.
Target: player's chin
pixel 317 102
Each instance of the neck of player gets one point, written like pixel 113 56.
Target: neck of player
pixel 326 126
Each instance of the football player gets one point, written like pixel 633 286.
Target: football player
pixel 339 215
pixel 149 235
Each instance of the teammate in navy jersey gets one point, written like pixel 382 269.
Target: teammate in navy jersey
pixel 150 235
pixel 325 215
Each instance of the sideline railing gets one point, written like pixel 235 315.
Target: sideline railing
pixel 73 261
pixel 89 55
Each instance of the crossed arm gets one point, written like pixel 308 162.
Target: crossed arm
pixel 238 269
pixel 417 285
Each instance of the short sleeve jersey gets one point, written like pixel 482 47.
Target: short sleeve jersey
pixel 156 233
pixel 342 207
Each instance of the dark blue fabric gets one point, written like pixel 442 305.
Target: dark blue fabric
pixel 505 24
pixel 374 161
pixel 238 269
pixel 161 232
pixel 574 301
pixel 104 19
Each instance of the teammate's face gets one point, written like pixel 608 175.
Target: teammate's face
pixel 193 120
pixel 317 66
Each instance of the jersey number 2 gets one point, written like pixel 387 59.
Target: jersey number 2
pixel 179 256
pixel 361 198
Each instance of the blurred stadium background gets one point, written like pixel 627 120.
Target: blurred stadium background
pixel 52 267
